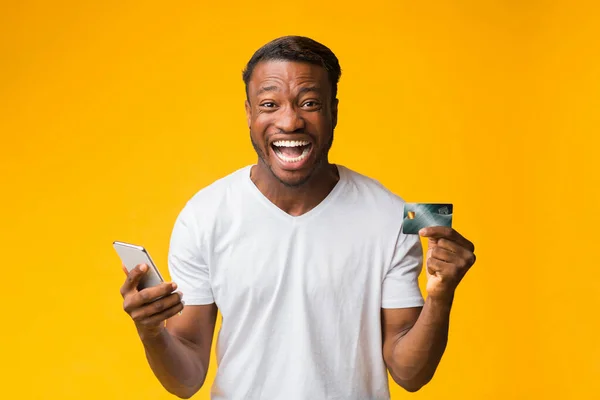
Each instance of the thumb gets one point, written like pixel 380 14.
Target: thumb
pixel 134 277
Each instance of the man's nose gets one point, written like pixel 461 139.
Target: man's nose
pixel 289 120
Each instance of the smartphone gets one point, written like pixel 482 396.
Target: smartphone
pixel 133 255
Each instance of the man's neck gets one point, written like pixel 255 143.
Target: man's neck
pixel 295 200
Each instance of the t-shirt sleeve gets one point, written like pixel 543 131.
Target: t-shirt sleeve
pixel 187 265
pixel 401 283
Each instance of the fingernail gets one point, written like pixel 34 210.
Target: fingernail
pixel 143 267
pixel 183 302
pixel 174 285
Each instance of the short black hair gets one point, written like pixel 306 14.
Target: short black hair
pixel 299 49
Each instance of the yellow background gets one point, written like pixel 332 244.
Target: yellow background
pixel 113 114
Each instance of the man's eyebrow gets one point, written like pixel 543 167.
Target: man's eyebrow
pixel 267 89
pixel 309 89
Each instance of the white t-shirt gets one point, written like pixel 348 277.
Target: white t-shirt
pixel 300 297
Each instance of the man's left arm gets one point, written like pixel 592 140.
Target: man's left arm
pixel 415 339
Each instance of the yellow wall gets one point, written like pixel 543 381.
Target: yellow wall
pixel 112 114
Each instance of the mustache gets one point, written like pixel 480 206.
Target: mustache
pixel 296 132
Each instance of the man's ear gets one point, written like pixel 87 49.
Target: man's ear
pixel 334 113
pixel 248 112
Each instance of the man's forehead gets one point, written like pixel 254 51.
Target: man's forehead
pixel 269 74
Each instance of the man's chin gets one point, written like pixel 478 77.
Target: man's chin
pixel 292 175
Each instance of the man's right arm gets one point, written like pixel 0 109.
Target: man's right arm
pixel 179 351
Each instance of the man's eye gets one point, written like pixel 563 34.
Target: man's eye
pixel 268 104
pixel 310 104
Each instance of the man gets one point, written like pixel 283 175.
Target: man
pixel 316 283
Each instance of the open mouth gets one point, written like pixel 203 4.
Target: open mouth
pixel 291 151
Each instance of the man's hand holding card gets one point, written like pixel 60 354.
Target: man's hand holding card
pixel 449 254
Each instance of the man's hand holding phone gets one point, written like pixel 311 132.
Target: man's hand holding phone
pixel 149 307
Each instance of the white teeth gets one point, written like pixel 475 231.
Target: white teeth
pixel 284 158
pixel 291 143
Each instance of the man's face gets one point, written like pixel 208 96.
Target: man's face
pixel 291 117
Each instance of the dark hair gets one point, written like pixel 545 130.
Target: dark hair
pixel 300 49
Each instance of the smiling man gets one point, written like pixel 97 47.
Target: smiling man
pixel 305 259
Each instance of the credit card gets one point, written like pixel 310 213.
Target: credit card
pixel 421 215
